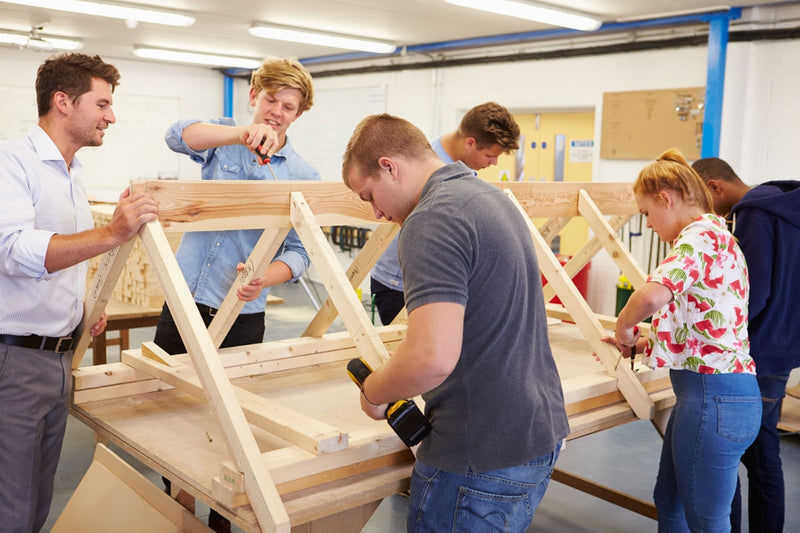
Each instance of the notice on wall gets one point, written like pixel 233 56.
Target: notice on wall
pixel 581 151
pixel 643 124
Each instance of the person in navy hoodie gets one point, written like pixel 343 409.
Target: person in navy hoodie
pixel 766 221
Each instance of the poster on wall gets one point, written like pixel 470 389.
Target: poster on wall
pixel 643 124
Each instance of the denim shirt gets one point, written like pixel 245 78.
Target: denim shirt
pixel 387 269
pixel 208 259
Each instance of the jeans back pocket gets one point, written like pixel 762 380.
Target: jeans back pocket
pixel 738 417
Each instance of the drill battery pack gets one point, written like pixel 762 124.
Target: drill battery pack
pixel 404 417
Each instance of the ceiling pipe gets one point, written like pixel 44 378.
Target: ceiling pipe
pixel 515 38
pixel 525 37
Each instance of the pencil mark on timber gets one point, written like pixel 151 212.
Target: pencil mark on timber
pixel 246 272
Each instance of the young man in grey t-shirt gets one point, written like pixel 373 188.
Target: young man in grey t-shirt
pixel 476 348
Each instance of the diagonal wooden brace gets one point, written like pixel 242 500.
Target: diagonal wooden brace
pixel 336 283
pixel 98 294
pixel 260 257
pixel 263 495
pixel 585 254
pixel 584 318
pixel 356 272
pixel 610 240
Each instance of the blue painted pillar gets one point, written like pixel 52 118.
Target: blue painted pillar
pixel 227 95
pixel 715 80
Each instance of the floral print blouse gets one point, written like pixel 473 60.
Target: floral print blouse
pixel 704 328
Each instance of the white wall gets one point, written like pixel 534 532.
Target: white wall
pixel 150 96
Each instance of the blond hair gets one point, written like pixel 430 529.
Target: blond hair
pixel 277 73
pixel 672 172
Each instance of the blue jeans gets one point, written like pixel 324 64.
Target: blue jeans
pixel 501 500
pixel 716 417
pixel 766 496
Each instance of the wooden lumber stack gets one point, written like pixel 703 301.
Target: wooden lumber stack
pixel 138 284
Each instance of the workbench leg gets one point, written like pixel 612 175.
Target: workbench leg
pixel 99 349
pixel 124 340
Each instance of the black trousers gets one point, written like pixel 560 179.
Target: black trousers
pixel 247 329
pixel 388 301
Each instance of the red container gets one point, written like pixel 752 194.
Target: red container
pixel 581 279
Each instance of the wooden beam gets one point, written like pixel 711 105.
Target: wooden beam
pixel 560 199
pixel 293 426
pixel 98 294
pixel 586 321
pixel 189 205
pixel 609 239
pixel 608 494
pixel 263 252
pixel 336 283
pixel 267 504
pixel 198 205
pixel 356 272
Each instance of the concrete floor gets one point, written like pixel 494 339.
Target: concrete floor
pixel 624 458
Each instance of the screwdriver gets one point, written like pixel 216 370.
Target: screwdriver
pixel 264 159
pixel 633 350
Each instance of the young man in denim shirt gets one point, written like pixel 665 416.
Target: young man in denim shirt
pixel 280 91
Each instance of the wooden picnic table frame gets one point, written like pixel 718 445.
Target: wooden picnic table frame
pixel 310 462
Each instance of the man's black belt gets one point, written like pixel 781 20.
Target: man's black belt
pixel 53 344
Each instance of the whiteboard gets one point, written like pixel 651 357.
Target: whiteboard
pixel 320 135
pixel 133 147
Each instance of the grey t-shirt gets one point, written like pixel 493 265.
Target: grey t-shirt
pixel 502 405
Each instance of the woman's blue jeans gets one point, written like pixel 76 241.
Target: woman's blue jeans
pixel 501 500
pixel 716 417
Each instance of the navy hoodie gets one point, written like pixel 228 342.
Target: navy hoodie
pixel 767 226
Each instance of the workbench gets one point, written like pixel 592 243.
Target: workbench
pixel 271 435
pixel 177 435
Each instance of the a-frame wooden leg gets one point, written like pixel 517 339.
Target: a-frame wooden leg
pixel 584 318
pixel 259 259
pixel 609 239
pixel 261 491
pixel 356 272
pixel 98 293
pixel 585 254
pixel 553 227
pixel 338 286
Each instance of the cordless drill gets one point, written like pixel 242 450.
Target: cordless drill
pixel 404 416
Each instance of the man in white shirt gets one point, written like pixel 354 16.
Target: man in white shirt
pixel 46 236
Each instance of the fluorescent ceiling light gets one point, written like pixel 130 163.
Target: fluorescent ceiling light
pixel 182 56
pixel 39 42
pixel 283 33
pixel 112 10
pixel 525 10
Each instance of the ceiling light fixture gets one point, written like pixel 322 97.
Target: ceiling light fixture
pixel 111 10
pixel 296 35
pixel 35 41
pixel 536 13
pixel 182 56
